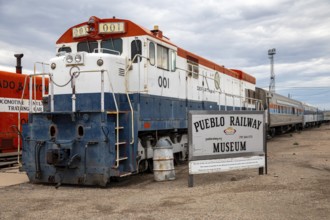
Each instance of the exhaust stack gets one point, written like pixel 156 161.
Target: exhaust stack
pixel 18 63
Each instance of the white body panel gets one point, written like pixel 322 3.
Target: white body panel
pixel 148 79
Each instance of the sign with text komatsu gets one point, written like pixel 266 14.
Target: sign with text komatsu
pixel 226 140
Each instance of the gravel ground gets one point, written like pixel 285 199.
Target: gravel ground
pixel 297 186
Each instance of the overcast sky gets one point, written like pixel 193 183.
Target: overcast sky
pixel 233 33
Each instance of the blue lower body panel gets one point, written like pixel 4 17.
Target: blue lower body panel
pixel 87 146
pixel 77 148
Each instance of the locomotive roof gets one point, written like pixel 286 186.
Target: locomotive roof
pixel 132 29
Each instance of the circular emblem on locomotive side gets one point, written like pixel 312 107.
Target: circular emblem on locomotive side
pixel 217 80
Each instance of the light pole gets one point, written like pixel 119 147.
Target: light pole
pixel 271 53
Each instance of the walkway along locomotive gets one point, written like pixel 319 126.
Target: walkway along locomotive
pixel 115 89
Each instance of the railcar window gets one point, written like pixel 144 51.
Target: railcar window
pixel 65 49
pixel 250 96
pixel 112 46
pixel 173 61
pixel 87 46
pixel 152 53
pixel 162 57
pixel 136 48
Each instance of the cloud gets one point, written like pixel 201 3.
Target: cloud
pixel 236 33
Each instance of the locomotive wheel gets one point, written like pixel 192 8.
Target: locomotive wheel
pixel 143 166
pixel 150 166
pixel 272 132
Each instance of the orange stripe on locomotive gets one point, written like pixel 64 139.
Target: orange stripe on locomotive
pixel 133 29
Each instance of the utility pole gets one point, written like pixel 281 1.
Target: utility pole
pixel 271 53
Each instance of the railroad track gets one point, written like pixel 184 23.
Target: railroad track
pixel 8 159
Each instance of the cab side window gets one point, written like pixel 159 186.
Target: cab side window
pixel 152 53
pixel 136 48
pixel 173 61
pixel 162 57
pixel 65 49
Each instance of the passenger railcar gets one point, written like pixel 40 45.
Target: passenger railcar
pixel 326 116
pixel 14 107
pixel 116 89
pixel 284 113
pixel 312 116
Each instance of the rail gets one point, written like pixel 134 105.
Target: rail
pixel 76 74
pixel 127 89
pixel 246 102
pixel 43 74
pixel 115 52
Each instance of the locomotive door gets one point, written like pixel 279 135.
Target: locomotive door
pixel 153 75
pixel 138 66
pixel 162 82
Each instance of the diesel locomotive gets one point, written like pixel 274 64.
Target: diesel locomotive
pixel 115 89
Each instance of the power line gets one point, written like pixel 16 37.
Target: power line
pixel 300 87
pixel 317 94
pixel 306 87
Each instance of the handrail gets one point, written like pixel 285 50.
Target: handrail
pixel 30 100
pixel 220 92
pixel 127 91
pixel 102 107
pixel 117 124
pixel 106 49
pixel 19 123
pixel 34 89
pixel 102 83
pixel 43 77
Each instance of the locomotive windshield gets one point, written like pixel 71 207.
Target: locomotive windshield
pixel 111 46
pixel 87 46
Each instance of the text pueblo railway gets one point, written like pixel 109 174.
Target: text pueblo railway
pixel 233 121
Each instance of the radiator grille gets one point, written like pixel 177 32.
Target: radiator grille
pixel 6 143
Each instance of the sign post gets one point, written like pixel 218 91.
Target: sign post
pixel 222 141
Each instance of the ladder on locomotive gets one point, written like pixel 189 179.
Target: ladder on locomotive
pixel 120 144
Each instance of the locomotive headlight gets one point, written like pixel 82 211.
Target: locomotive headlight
pixel 77 58
pixel 99 62
pixel 53 66
pixel 73 59
pixel 69 58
